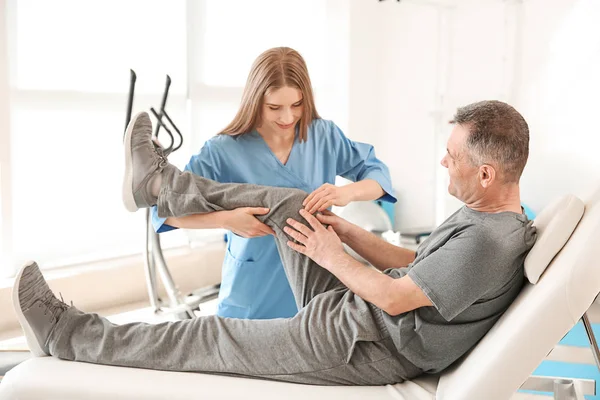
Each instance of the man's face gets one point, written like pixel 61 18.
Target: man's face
pixel 464 182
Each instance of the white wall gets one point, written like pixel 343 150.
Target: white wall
pixel 479 67
pixel 392 91
pixel 559 96
pixel 413 63
pixel 5 201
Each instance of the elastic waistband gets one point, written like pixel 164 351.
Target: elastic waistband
pixel 409 370
pixel 379 320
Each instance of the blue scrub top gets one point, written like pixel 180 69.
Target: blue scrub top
pixel 254 284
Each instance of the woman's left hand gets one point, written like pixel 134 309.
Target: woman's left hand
pixel 327 195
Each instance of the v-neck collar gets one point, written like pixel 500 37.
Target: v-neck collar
pixel 286 169
pixel 264 143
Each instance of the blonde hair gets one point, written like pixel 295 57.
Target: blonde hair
pixel 275 68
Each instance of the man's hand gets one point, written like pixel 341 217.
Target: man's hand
pixel 321 244
pixel 242 222
pixel 339 224
pixel 327 195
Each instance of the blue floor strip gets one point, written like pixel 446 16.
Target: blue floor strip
pixel 576 337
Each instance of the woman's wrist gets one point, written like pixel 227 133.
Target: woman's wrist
pixel 351 191
pixel 367 189
pixel 223 220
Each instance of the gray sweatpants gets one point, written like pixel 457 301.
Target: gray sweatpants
pixel 336 338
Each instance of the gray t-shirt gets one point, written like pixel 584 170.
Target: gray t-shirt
pixel 471 268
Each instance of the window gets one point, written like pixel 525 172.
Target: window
pixel 226 42
pixel 68 64
pixel 69 81
pixel 228 53
pixel 89 46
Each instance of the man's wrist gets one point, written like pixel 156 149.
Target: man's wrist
pixel 337 261
pixel 351 232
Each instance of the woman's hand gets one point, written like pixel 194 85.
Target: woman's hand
pixel 242 222
pixel 321 244
pixel 327 195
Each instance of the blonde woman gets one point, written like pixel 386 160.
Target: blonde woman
pixel 277 138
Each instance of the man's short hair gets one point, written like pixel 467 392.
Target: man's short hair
pixel 498 135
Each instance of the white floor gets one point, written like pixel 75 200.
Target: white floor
pixel 149 316
pixel 139 315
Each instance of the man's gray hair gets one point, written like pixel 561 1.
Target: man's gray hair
pixel 498 135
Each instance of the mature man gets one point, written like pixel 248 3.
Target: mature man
pixel 356 325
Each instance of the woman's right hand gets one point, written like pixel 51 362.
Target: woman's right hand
pixel 339 224
pixel 242 222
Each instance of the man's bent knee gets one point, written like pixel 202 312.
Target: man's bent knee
pixel 286 204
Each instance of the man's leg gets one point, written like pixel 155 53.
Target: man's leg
pixel 338 339
pixel 184 193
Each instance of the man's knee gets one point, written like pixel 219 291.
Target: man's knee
pixel 292 202
pixel 288 204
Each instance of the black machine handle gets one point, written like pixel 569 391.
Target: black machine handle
pixel 132 80
pixel 163 103
pixel 159 115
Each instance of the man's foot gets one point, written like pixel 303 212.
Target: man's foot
pixel 38 310
pixel 143 164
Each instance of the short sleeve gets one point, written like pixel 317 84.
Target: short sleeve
pixel 206 163
pixel 357 161
pixel 459 273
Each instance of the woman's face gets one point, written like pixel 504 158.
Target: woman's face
pixel 282 109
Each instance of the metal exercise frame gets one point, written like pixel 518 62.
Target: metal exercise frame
pixel 183 306
pixel 569 388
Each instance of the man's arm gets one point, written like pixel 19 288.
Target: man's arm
pixel 381 254
pixel 394 296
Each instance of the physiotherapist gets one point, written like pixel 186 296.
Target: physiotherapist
pixel 277 139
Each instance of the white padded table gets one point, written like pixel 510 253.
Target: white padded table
pixel 51 379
